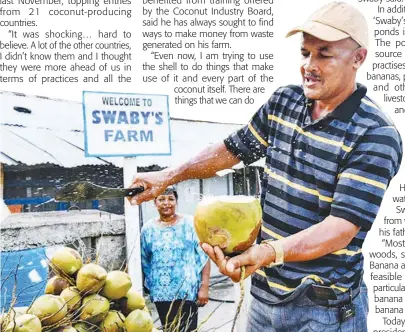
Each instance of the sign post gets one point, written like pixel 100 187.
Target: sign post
pixel 132 229
pixel 127 125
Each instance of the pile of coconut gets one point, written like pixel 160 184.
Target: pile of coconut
pixel 82 298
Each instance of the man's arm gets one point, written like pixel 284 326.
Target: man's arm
pixel 328 236
pixel 205 283
pixel 356 201
pixel 247 144
pixel 204 165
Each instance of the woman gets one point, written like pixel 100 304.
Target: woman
pixel 175 267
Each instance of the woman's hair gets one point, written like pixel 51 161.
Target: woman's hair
pixel 170 190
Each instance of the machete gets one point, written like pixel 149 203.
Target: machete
pixel 83 191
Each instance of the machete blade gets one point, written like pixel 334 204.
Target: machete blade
pixel 83 191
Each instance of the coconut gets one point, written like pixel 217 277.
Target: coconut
pixel 133 300
pixel 13 313
pixel 2 319
pixel 49 309
pixel 72 297
pixel 139 321
pixel 19 310
pixel 85 327
pixel 24 323
pixel 94 309
pixel 67 260
pixel 113 322
pixel 229 222
pixel 91 278
pixel 56 285
pixel 64 329
pixel 117 285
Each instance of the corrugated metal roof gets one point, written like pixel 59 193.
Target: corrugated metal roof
pixel 7 160
pixel 32 146
pixel 51 131
pixel 45 113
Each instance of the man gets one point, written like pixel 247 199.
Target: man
pixel 176 270
pixel 330 155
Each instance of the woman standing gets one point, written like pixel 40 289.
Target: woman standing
pixel 175 267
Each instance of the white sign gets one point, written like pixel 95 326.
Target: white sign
pixel 126 124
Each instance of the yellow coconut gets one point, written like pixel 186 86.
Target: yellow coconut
pixel 24 323
pixel 13 313
pixel 49 309
pixel 113 322
pixel 56 285
pixel 72 297
pixel 139 321
pixel 91 278
pixel 2 319
pixel 133 300
pixel 94 308
pixel 86 327
pixel 230 222
pixel 19 311
pixel 64 329
pixel 117 285
pixel 67 260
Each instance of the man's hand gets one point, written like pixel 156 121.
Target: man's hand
pixel 154 184
pixel 202 296
pixel 204 165
pixel 253 258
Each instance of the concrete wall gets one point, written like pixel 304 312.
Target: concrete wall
pixel 93 233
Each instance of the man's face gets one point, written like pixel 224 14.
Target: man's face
pixel 327 67
pixel 166 205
